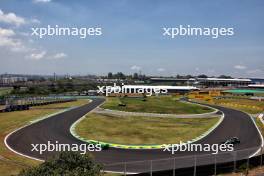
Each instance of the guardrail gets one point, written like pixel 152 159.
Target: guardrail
pixel 16 104
pixel 204 164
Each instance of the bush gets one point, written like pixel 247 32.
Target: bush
pixel 66 164
pixel 121 104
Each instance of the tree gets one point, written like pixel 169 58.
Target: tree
pixel 188 76
pixel 225 77
pixel 66 164
pixel 135 76
pixel 110 75
pixel 120 75
pixel 202 76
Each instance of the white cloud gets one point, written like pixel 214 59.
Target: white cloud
pixel 160 69
pixel 11 18
pixel 41 1
pixel 59 56
pixel 37 56
pixel 6 32
pixel 8 40
pixel 135 67
pixel 41 54
pixel 34 20
pixel 240 67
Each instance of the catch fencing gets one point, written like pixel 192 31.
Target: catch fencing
pixel 202 164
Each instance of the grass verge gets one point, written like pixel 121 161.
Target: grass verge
pixel 142 130
pixel 11 163
pixel 161 104
pixel 4 91
pixel 246 105
pixel 260 126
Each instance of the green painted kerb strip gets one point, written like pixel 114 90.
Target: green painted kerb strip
pixel 124 146
pixel 106 145
pixel 242 91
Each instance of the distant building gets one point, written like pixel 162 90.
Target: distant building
pixel 172 81
pixel 222 82
pixel 257 81
pixel 256 86
pixel 11 80
pixel 139 90
pixel 203 82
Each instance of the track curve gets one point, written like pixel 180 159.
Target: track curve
pixel 57 128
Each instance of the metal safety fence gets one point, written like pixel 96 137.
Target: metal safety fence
pixel 200 164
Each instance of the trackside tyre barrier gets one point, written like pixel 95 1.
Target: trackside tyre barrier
pixel 10 108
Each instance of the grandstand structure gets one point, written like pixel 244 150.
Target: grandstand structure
pixel 223 82
pixel 203 82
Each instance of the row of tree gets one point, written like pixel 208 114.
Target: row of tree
pixel 120 75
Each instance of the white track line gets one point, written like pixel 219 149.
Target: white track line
pixel 129 173
pixel 37 120
pixel 262 140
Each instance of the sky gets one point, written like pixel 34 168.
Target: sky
pixel 132 37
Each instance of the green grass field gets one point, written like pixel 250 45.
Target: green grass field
pixel 4 91
pixel 11 163
pixel 161 104
pixel 142 130
pixel 260 126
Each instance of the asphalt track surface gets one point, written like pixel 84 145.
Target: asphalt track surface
pixel 57 128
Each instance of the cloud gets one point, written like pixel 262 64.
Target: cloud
pixel 160 69
pixel 41 1
pixel 240 67
pixel 37 56
pixel 8 40
pixel 135 67
pixel 41 54
pixel 34 20
pixel 11 18
pixel 6 32
pixel 58 56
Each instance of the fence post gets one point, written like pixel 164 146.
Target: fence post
pixel 194 171
pixel 150 167
pixel 247 163
pixel 125 168
pixel 103 167
pixel 235 154
pixel 215 165
pixel 261 155
pixel 173 166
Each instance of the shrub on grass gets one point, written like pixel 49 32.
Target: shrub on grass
pixel 66 164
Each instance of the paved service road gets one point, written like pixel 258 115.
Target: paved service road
pixel 57 128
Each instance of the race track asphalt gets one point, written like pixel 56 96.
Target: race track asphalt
pixel 57 128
